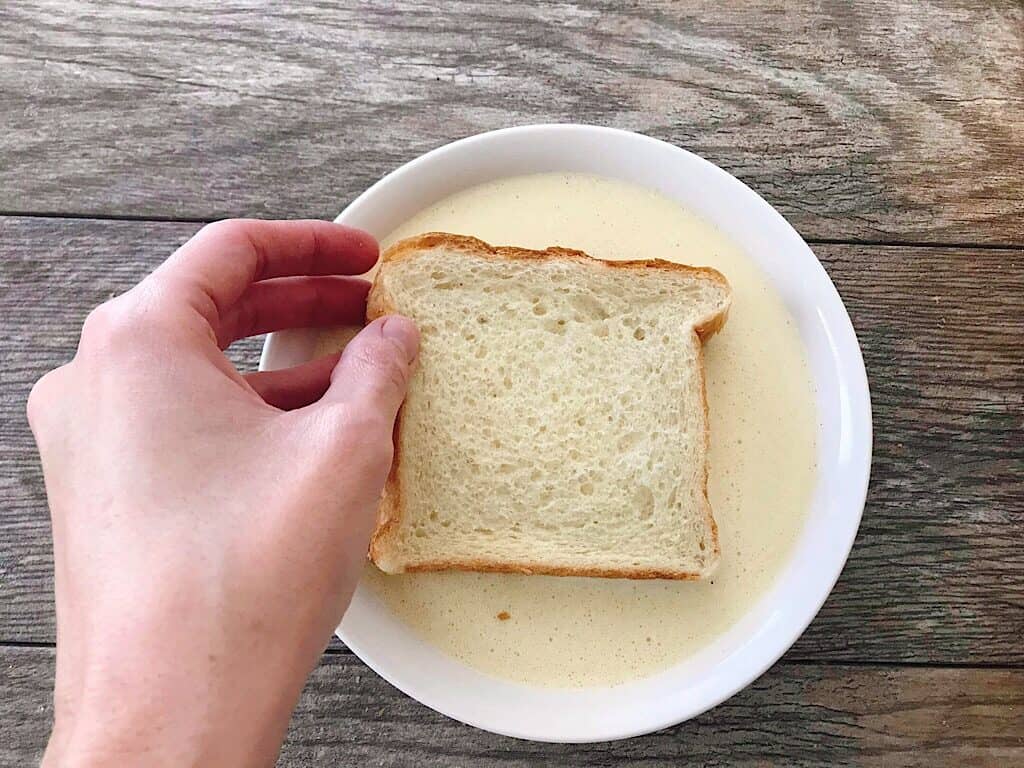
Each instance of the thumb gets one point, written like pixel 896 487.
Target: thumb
pixel 374 370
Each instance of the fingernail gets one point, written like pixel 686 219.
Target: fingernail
pixel 404 331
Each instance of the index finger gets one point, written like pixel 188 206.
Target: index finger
pixel 224 258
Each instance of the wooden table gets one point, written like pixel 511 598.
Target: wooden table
pixel 891 136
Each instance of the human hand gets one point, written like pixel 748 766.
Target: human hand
pixel 208 527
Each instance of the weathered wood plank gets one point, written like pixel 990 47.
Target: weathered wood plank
pixel 871 120
pixel 52 272
pixel 937 574
pixel 795 715
pixel 939 551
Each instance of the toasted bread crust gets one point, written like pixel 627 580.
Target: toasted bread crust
pixel 380 303
pixel 488 566
pixel 705 327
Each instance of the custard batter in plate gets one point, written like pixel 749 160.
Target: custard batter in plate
pixel 573 632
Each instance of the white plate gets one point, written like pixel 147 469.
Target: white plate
pixel 750 647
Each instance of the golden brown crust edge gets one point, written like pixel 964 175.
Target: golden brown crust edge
pixel 709 517
pixel 380 303
pixel 705 327
pixel 489 566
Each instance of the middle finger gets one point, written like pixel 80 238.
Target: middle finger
pixel 294 302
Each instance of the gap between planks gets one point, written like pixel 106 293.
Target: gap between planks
pixel 335 650
pixel 810 240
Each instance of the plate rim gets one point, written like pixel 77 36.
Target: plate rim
pixel 856 379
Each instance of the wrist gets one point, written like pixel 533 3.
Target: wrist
pixel 162 719
pixel 149 744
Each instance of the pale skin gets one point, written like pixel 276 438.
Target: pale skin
pixel 209 527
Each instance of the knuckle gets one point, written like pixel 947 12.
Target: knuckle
pixel 376 453
pixel 385 361
pixel 362 434
pixel 43 395
pixel 369 427
pixel 36 404
pixel 230 232
pixel 111 321
pixel 122 323
pixel 223 228
pixel 99 319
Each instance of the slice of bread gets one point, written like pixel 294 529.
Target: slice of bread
pixel 557 420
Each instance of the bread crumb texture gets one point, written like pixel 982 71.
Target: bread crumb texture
pixel 556 422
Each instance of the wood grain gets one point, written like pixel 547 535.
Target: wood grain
pixel 937 573
pixel 795 715
pixel 939 554
pixel 873 120
pixel 52 272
